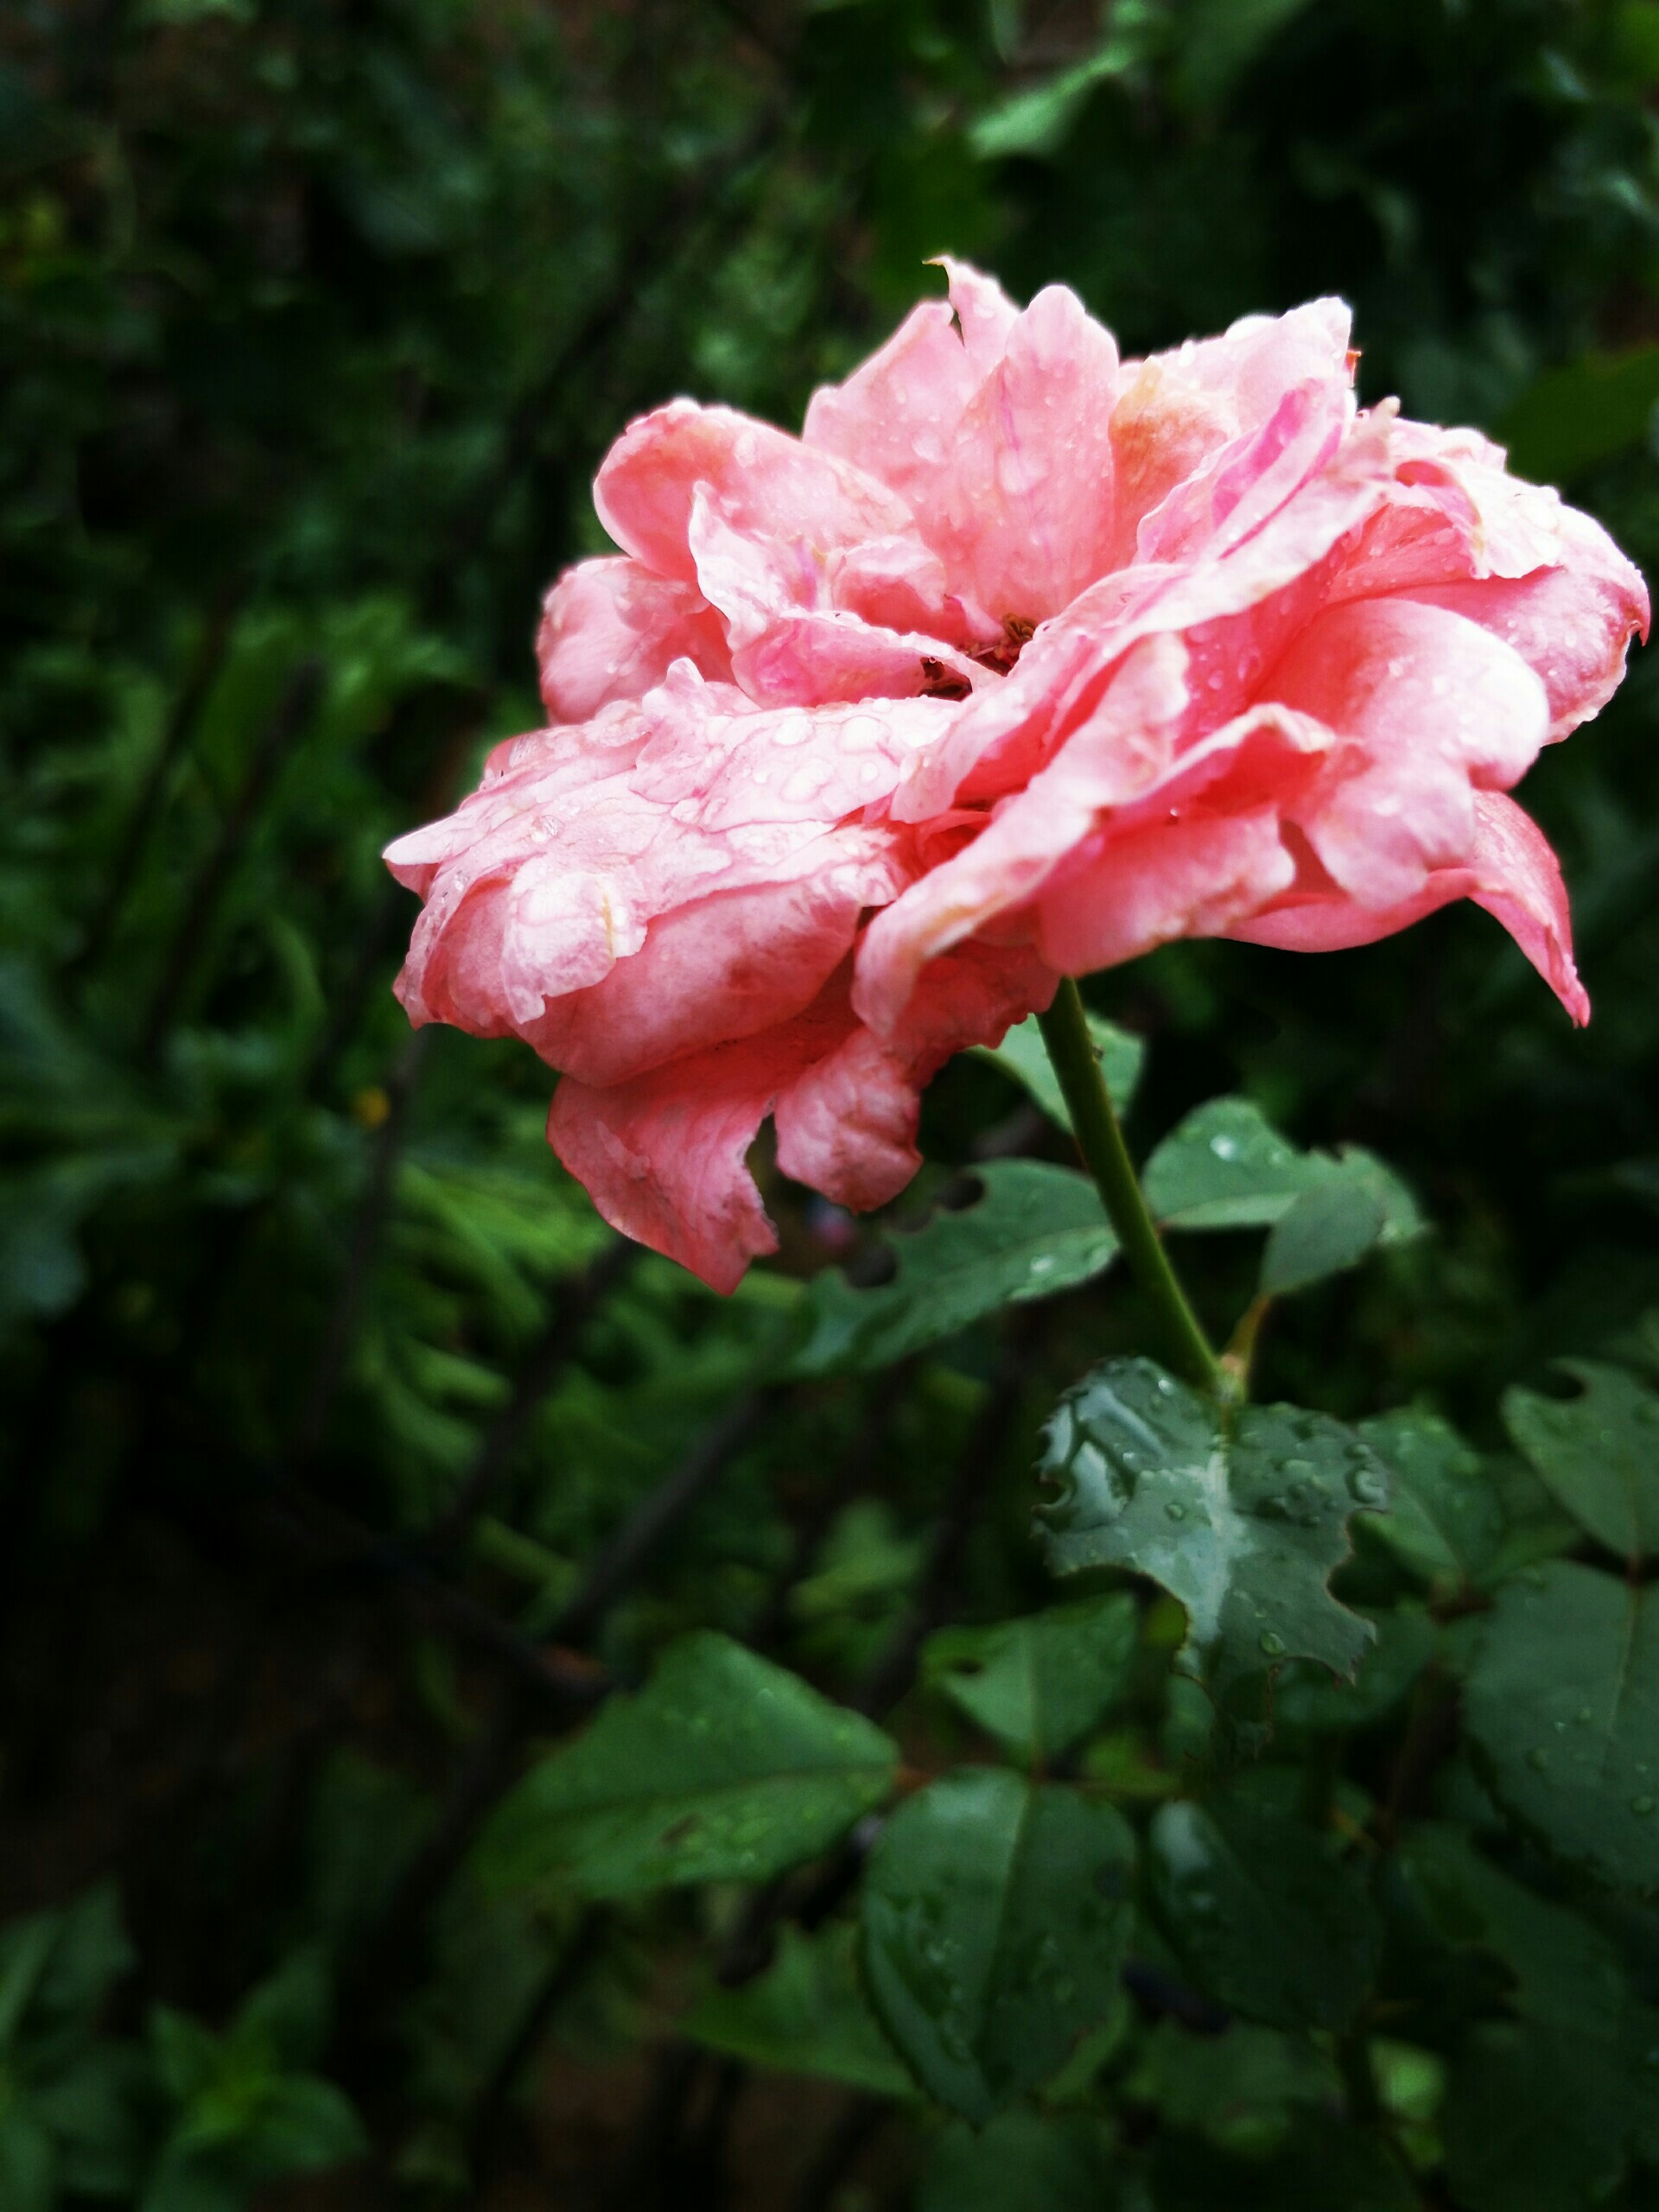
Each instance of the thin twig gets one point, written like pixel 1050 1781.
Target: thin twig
pixel 570 1314
pixel 345 1316
pixel 569 1969
pixel 292 712
pixel 642 1535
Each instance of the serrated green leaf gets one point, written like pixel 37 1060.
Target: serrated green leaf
pixel 1225 1166
pixel 1308 1698
pixel 1038 1684
pixel 1020 2161
pixel 1445 1519
pixel 1023 1055
pixel 806 2014
pixel 1598 1453
pixel 723 1768
pixel 1035 1230
pixel 1267 1917
pixel 1565 1973
pixel 1577 2028
pixel 995 1915
pixel 1242 1516
pixel 1563 1705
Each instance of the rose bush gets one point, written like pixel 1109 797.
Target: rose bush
pixel 1020 661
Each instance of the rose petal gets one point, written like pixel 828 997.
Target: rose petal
pixel 610 629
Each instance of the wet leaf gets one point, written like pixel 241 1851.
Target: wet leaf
pixel 1307 1697
pixel 1226 1167
pixel 1269 1919
pixel 1038 1684
pixel 1023 1055
pixel 806 2014
pixel 1445 1519
pixel 1035 1230
pixel 996 1915
pixel 1563 1705
pixel 1598 1453
pixel 1243 1518
pixel 723 1768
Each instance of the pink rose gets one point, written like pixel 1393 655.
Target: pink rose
pixel 1020 661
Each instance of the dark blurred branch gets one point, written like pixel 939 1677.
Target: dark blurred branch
pixel 570 1313
pixel 393 1948
pixel 643 1534
pixel 569 1970
pixel 346 1314
pixel 294 711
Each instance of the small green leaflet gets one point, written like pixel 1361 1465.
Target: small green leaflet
pixel 1023 1055
pixel 1598 1453
pixel 1563 1705
pixel 1270 1920
pixel 806 2014
pixel 1061 2163
pixel 723 1769
pixel 1445 1520
pixel 1225 1166
pixel 1243 1517
pixel 995 1916
pixel 1036 1228
pixel 1038 1684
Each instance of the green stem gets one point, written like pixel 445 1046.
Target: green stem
pixel 1100 1140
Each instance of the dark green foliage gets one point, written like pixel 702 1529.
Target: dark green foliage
pixel 349 1473
pixel 997 1913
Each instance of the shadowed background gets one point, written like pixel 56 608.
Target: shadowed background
pixel 345 1452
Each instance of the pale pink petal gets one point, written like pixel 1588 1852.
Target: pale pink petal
pixel 1571 625
pixel 663 1157
pixel 717 771
pixel 1518 880
pixel 1195 877
pixel 723 967
pixel 1022 514
pixel 609 631
pixel 848 1125
pixel 1122 749
pixel 1510 871
pixel 1198 413
pixel 1429 705
pixel 897 416
pixel 765 482
pixel 791 637
pixel 1002 736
